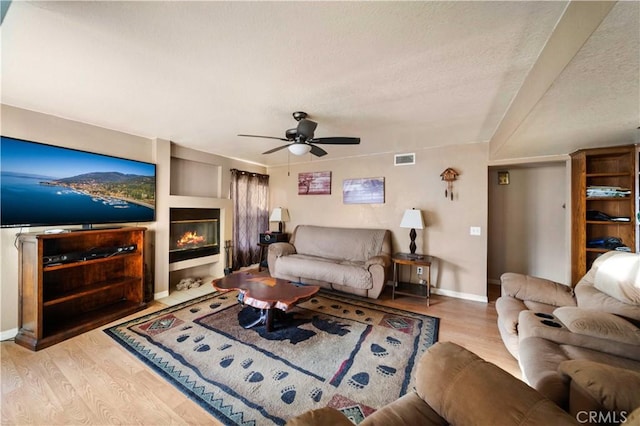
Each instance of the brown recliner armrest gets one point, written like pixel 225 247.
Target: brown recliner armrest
pixel 534 289
pixel 455 386
pixel 325 416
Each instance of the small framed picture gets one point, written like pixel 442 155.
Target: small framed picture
pixel 314 183
pixel 503 178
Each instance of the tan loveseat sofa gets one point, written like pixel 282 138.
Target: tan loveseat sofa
pixel 454 386
pixel 351 260
pixel 581 347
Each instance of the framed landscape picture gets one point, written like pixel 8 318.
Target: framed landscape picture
pixel 314 183
pixel 363 191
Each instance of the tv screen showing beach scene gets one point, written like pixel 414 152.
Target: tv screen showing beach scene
pixel 46 185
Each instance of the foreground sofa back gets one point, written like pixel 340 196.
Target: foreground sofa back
pixel 351 260
pixel 455 386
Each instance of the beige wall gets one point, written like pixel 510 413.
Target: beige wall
pixel 29 125
pixel 528 222
pixel 462 259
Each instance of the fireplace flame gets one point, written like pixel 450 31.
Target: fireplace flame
pixel 190 238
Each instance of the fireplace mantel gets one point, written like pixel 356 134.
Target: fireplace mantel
pixel 192 263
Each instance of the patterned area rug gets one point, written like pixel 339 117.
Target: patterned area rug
pixel 329 351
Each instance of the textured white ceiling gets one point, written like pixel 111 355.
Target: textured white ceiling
pixel 400 75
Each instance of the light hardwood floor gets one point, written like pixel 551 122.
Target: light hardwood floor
pixel 90 379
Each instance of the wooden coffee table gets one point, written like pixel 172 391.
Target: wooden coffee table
pixel 265 293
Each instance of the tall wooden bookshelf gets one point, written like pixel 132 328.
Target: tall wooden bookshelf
pixel 72 282
pixel 614 167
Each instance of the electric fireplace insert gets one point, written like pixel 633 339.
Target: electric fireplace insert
pixel 194 233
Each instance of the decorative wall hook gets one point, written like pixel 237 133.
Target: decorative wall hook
pixel 449 175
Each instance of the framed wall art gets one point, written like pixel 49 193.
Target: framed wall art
pixel 314 183
pixel 363 191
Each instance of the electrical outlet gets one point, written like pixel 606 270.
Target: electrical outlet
pixel 420 270
pixel 475 230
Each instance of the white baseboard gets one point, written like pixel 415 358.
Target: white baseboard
pixel 8 334
pixel 494 281
pixel 161 295
pixel 458 295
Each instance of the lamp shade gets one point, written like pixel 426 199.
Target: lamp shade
pixel 412 218
pixel 299 148
pixel 279 214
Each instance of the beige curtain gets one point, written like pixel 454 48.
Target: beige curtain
pixel 250 195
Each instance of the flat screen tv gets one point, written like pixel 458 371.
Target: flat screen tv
pixel 46 185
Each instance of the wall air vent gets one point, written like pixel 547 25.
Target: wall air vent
pixel 404 159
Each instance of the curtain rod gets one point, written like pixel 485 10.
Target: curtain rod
pixel 244 172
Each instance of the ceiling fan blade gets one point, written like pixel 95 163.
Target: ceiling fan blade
pixel 306 128
pixel 317 151
pixel 264 137
pixel 276 149
pixel 337 141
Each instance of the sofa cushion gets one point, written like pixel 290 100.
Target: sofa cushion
pixel 351 244
pixel 534 289
pixel 553 330
pixel 322 269
pixel 615 389
pixel 618 275
pixel 621 361
pixel 598 324
pixel 590 297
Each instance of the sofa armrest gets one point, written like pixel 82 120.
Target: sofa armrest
pixel 464 389
pixel 528 288
pixel 281 249
pixel 383 260
pixel 277 250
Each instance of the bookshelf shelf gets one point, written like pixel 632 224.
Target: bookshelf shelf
pixel 601 167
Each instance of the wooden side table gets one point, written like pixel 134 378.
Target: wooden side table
pixel 264 249
pixel 407 288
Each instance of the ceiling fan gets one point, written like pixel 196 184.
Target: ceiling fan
pixel 301 140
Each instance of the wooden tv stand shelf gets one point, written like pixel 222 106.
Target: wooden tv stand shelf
pixel 73 282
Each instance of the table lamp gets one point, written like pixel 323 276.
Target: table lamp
pixel 412 218
pixel 279 215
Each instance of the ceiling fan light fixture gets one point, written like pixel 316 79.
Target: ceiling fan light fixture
pixel 302 141
pixel 299 148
